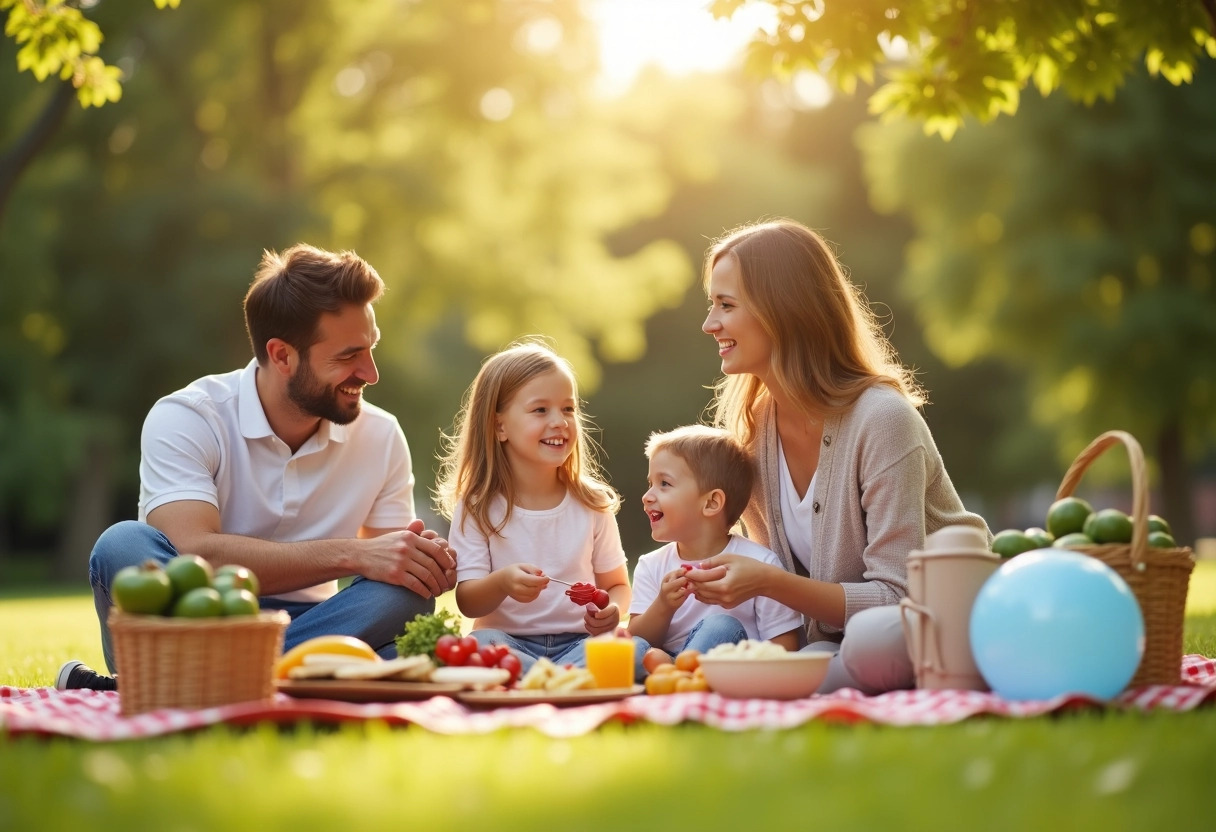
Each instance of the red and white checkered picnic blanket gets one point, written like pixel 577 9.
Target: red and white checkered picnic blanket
pixel 95 716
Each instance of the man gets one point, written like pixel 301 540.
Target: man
pixel 281 467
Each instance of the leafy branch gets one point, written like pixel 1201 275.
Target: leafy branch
pixel 973 58
pixel 56 39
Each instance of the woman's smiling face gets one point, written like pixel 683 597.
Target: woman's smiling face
pixel 743 344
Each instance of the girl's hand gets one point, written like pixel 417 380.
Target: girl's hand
pixel 727 580
pixel 522 582
pixel 599 621
pixel 674 590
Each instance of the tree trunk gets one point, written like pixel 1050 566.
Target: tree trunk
pixel 1176 484
pixel 17 158
pixel 5 546
pixel 88 514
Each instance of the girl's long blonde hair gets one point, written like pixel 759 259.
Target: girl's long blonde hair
pixel 474 466
pixel 828 347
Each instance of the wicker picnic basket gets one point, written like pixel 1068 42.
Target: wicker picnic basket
pixel 1158 577
pixel 196 662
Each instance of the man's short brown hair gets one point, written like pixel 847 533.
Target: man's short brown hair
pixel 717 460
pixel 291 290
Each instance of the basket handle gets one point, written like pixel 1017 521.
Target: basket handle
pixel 1135 455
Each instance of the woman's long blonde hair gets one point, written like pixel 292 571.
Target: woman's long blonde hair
pixel 828 347
pixel 474 467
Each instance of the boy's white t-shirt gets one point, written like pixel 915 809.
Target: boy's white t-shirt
pixel 571 542
pixel 761 617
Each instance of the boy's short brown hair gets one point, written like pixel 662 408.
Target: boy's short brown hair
pixel 717 460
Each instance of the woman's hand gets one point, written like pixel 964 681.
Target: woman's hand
pixel 599 621
pixel 728 580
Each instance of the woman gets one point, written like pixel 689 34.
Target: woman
pixel 849 478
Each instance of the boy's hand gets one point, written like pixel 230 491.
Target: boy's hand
pixel 674 589
pixel 522 582
pixel 599 621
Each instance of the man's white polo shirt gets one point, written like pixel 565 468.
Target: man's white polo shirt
pixel 211 441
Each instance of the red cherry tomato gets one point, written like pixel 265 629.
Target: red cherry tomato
pixel 469 644
pixel 444 645
pixel 475 660
pixel 510 663
pixel 489 655
pixel 457 655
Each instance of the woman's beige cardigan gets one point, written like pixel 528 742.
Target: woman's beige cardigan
pixel 880 488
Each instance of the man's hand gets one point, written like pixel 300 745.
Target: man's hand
pixel 415 558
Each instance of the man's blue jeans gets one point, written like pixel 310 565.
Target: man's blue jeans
pixel 369 610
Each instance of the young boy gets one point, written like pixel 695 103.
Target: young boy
pixel 700 480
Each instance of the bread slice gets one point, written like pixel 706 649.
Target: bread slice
pixel 381 670
pixel 477 678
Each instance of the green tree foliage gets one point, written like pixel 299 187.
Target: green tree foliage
pixel 1086 256
pixel 56 39
pixel 974 58
pixel 460 147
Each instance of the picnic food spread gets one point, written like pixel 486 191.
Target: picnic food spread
pixel 437 636
pixel 354 667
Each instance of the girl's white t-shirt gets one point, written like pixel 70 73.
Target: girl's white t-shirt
pixel 571 542
pixel 761 617
pixel 798 516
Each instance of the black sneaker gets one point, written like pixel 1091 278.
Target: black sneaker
pixel 76 675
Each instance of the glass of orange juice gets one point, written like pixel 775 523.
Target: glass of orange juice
pixel 610 661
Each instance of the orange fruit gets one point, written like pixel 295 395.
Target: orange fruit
pixel 688 660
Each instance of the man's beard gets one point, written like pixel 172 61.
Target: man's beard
pixel 309 394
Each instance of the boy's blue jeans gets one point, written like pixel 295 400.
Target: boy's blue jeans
pixel 369 610
pixel 561 649
pixel 712 630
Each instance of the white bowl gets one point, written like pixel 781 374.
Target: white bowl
pixel 792 676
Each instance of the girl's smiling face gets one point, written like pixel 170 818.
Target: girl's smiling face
pixel 742 342
pixel 538 426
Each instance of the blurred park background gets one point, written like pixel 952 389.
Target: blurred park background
pixel 550 166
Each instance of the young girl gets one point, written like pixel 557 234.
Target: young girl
pixel 522 488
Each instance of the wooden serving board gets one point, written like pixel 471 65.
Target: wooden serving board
pixel 364 690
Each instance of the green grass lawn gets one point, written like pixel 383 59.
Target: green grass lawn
pixel 1081 770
